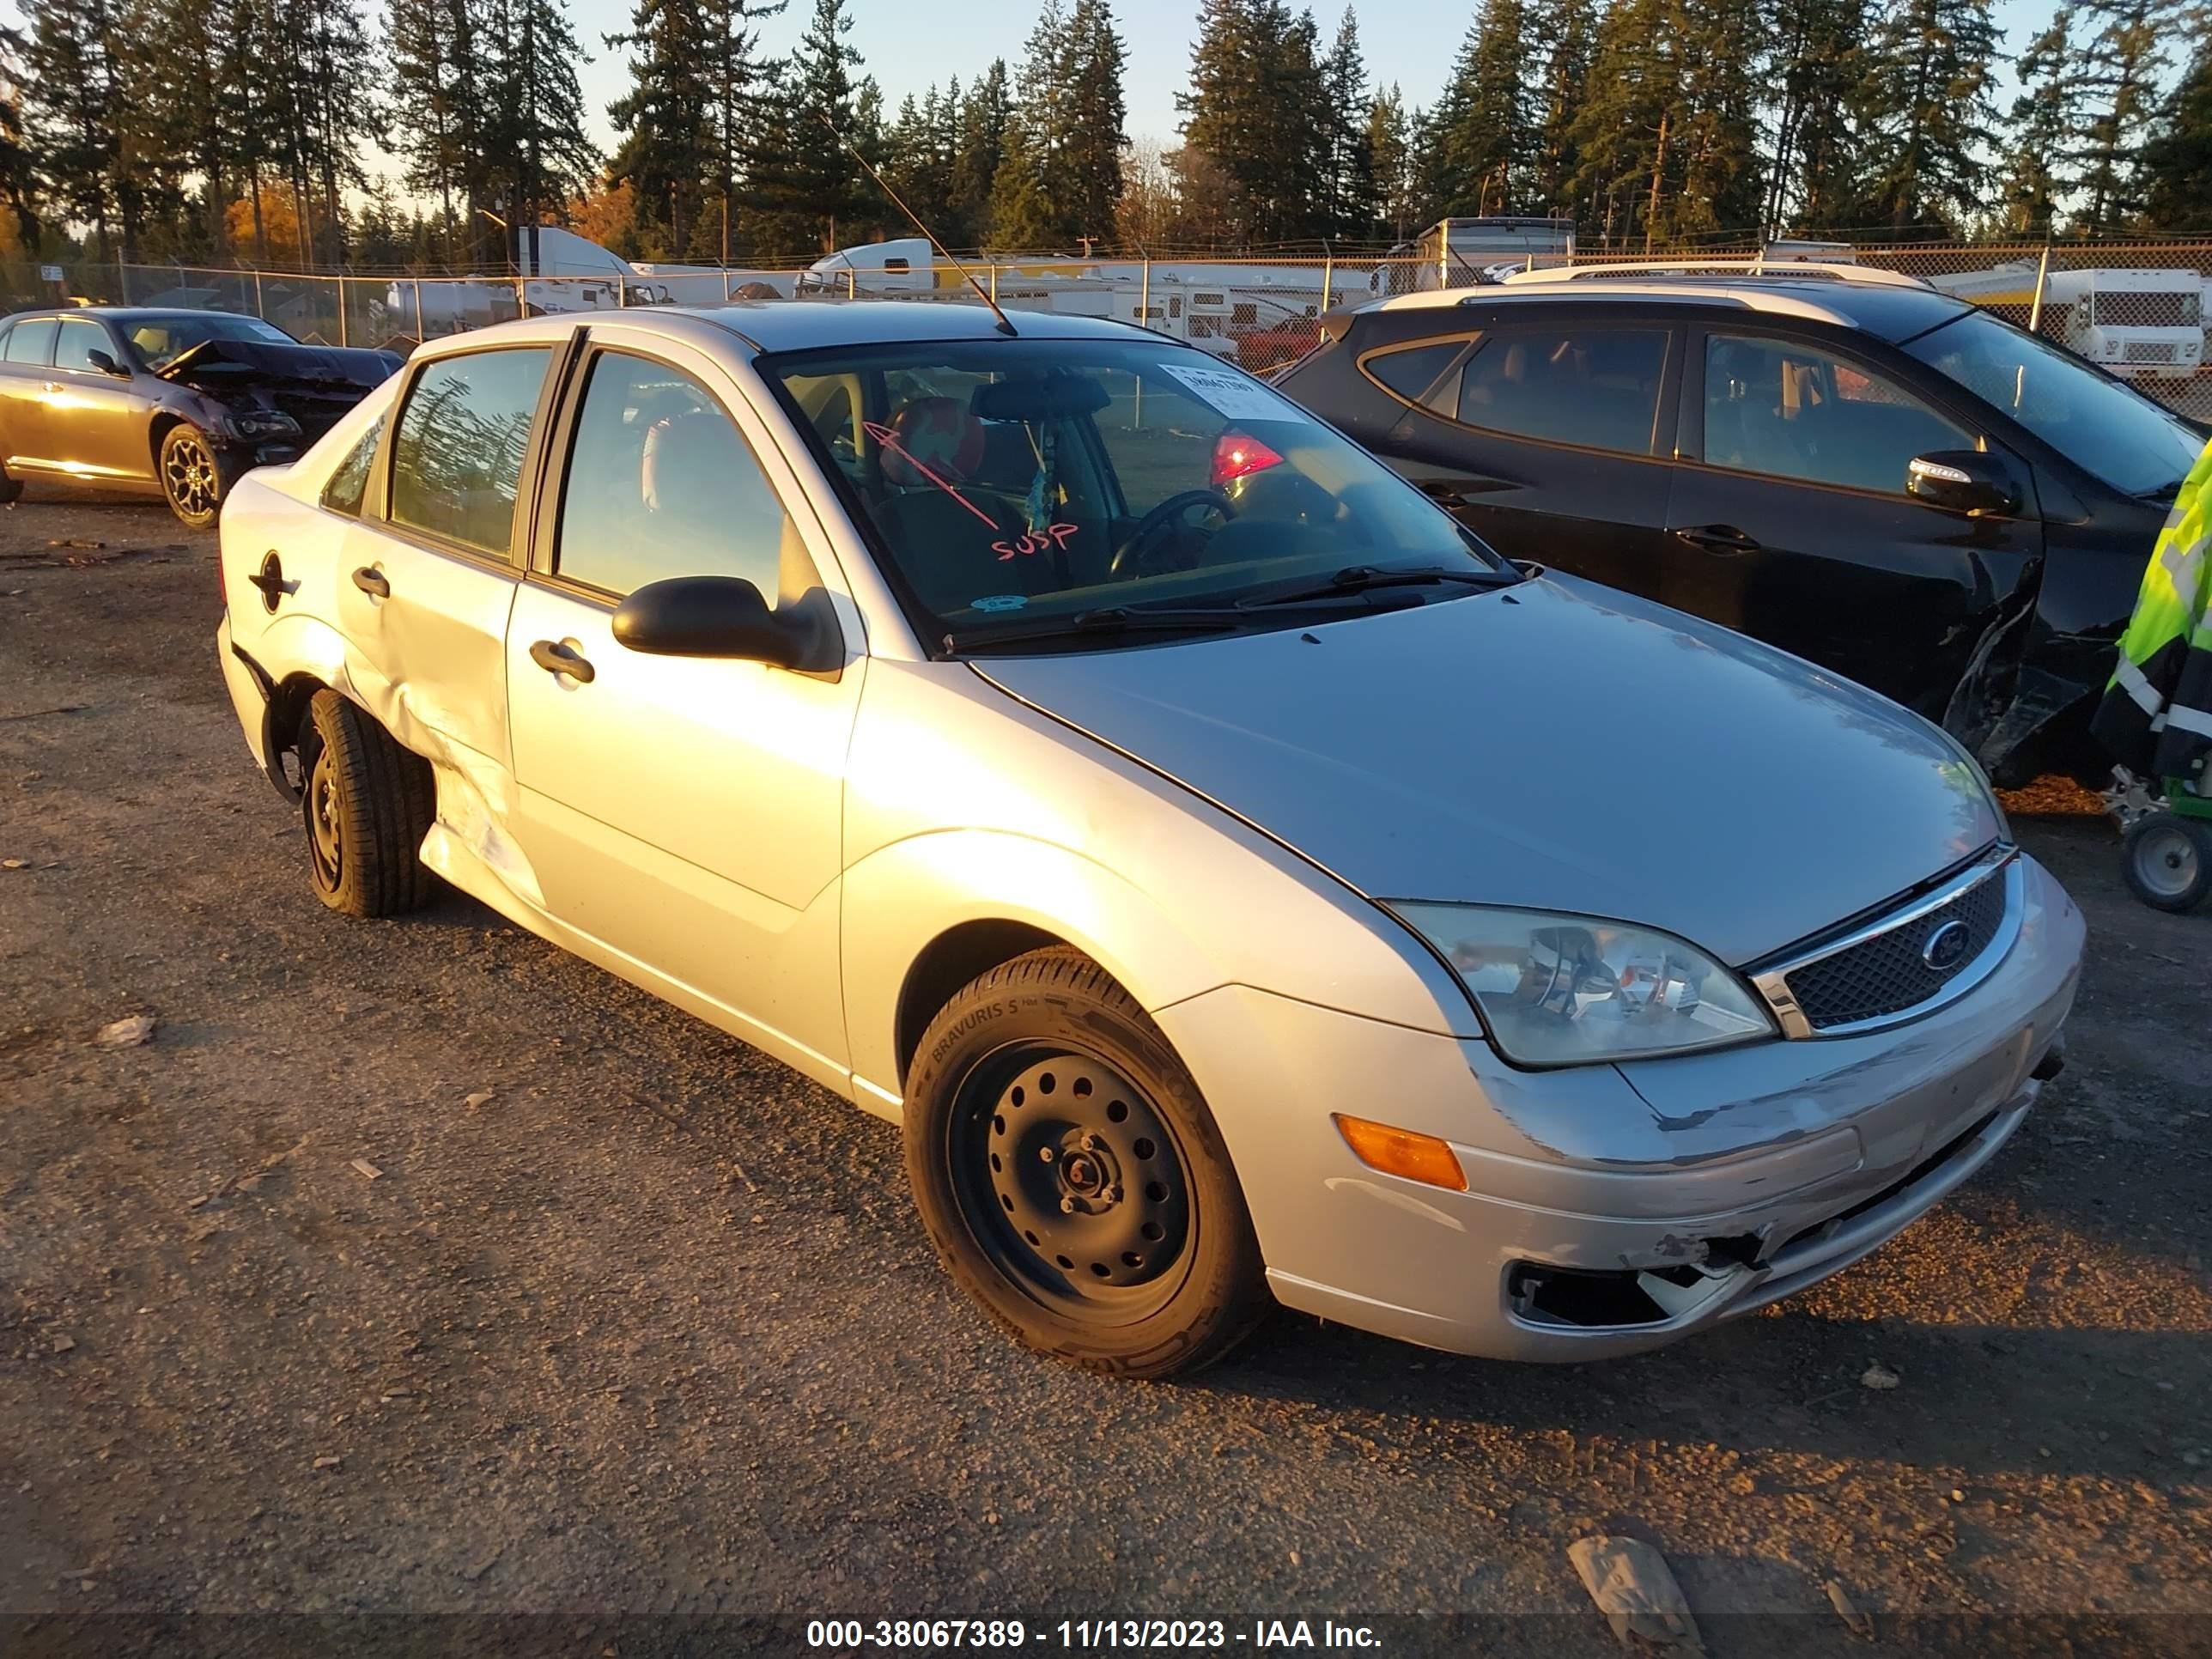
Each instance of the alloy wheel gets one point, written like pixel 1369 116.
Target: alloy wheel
pixel 188 472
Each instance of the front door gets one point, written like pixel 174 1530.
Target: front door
pixel 685 812
pixel 1545 439
pixel 1790 522
pixel 96 425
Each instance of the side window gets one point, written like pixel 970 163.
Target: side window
pixel 660 483
pixel 1418 373
pixel 456 456
pixel 1795 411
pixel 32 342
pixel 347 486
pixel 1598 387
pixel 79 340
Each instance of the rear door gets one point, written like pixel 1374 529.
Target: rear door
pixel 1790 520
pixel 27 356
pixel 95 423
pixel 431 565
pixel 1544 437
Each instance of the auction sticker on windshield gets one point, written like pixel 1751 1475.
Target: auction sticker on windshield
pixel 1235 396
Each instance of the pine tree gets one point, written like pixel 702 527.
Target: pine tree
pixel 981 146
pixel 1482 141
pixel 2177 163
pixel 437 111
pixel 1349 188
pixel 1818 48
pixel 1225 119
pixel 667 117
pixel 534 129
pixel 736 77
pixel 1719 185
pixel 19 179
pixel 71 92
pixel 1925 111
pixel 2116 68
pixel 1087 176
pixel 804 175
pixel 2039 167
pixel 1622 131
pixel 1023 214
pixel 1566 29
pixel 1390 142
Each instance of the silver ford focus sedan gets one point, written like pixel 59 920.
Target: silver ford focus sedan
pixel 1236 881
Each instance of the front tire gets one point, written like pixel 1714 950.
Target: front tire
pixel 1071 1176
pixel 2169 861
pixel 11 488
pixel 368 803
pixel 192 477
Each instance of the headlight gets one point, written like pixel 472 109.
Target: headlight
pixel 262 423
pixel 1566 990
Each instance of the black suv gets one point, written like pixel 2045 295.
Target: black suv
pixel 1844 462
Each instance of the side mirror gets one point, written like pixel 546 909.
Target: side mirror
pixel 706 617
pixel 105 363
pixel 1962 481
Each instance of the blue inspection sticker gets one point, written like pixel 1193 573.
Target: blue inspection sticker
pixel 1000 602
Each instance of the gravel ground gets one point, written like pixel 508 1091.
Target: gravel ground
pixel 649 1344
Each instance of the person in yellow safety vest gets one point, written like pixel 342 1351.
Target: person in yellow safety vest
pixel 2156 716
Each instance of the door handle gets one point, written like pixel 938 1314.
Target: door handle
pixel 371 580
pixel 557 658
pixel 1719 538
pixel 53 386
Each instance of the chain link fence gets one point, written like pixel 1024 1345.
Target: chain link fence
pixel 2135 309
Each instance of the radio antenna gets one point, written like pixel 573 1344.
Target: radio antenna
pixel 1005 326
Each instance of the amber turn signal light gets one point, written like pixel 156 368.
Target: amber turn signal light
pixel 1402 1153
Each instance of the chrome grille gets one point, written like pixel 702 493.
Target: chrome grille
pixel 1889 973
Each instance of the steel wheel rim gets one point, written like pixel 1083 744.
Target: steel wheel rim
pixel 2167 861
pixel 1073 1182
pixel 325 830
pixel 189 472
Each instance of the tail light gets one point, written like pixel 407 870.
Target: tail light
pixel 1239 454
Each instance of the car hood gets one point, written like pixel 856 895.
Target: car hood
pixel 215 364
pixel 1555 746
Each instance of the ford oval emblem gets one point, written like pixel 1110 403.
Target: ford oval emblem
pixel 1945 946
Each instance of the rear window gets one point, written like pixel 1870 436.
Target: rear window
pixel 32 342
pixel 1416 373
pixel 457 455
pixel 1598 387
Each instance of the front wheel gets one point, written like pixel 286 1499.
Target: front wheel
pixel 2170 861
pixel 192 475
pixel 1071 1176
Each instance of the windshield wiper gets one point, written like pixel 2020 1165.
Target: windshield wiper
pixel 1366 578
pixel 1108 619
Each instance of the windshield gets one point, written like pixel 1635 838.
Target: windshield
pixel 2118 433
pixel 1017 485
pixel 162 340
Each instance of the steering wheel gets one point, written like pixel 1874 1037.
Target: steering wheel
pixel 1134 557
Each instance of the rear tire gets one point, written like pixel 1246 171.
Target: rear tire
pixel 1071 1176
pixel 366 802
pixel 11 488
pixel 2169 861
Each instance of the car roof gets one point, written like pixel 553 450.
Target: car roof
pixel 130 313
pixel 1889 313
pixel 802 324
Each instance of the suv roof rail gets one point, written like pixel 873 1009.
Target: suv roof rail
pixel 1756 265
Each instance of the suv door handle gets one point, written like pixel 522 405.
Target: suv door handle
pixel 1459 492
pixel 53 386
pixel 370 581
pixel 1719 538
pixel 557 658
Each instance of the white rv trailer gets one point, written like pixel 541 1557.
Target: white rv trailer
pixel 2138 323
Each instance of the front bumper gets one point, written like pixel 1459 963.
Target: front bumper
pixel 1698 1188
